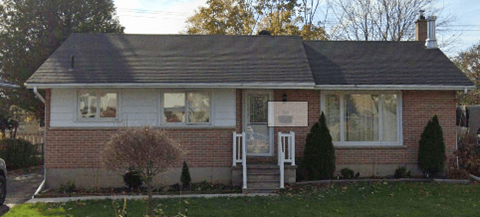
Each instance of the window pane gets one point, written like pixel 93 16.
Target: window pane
pixel 389 116
pixel 108 105
pixel 361 117
pixel 258 108
pixel 174 107
pixel 332 115
pixel 87 102
pixel 198 107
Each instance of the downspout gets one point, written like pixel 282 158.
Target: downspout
pixel 456 133
pixel 42 185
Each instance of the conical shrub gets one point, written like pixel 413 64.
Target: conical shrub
pixel 319 153
pixel 185 177
pixel 431 150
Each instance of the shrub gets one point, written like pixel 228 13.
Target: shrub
pixel 319 154
pixel 431 150
pixel 468 162
pixel 18 153
pixel 147 150
pixel 69 187
pixel 402 172
pixel 185 177
pixel 347 173
pixel 132 179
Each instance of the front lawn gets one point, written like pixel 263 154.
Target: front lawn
pixel 360 199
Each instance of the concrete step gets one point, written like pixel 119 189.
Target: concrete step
pixel 262 166
pixel 262 176
pixel 264 184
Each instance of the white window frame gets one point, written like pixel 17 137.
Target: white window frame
pixel 162 121
pixel 380 143
pixel 97 114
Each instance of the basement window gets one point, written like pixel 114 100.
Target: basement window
pixel 97 105
pixel 363 118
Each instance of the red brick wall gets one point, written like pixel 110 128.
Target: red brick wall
pixel 78 148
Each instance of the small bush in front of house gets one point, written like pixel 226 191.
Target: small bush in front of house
pixel 69 187
pixel 132 179
pixel 468 155
pixel 18 153
pixel 185 177
pixel 402 172
pixel 347 173
pixel 431 150
pixel 319 154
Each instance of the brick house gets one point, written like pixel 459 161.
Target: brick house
pixel 377 97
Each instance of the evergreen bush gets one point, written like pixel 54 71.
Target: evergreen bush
pixel 431 150
pixel 18 153
pixel 347 173
pixel 185 178
pixel 132 179
pixel 319 154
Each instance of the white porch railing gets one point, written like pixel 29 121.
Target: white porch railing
pixel 240 154
pixel 286 153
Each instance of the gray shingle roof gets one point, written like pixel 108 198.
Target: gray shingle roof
pixel 216 59
pixel 124 58
pixel 381 63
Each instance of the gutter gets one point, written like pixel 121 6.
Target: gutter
pixel 393 87
pixel 42 185
pixel 250 85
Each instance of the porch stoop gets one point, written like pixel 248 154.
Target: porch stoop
pixel 263 178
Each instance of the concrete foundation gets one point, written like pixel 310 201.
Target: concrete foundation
pixel 85 177
pixel 368 170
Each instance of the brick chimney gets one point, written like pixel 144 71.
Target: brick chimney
pixel 421 28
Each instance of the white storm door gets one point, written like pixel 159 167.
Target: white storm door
pixel 259 137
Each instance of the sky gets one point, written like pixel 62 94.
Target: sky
pixel 169 16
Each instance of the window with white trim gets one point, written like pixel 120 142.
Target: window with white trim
pixel 363 118
pixel 97 105
pixel 191 107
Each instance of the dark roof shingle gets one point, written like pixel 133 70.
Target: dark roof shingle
pixel 381 63
pixel 124 58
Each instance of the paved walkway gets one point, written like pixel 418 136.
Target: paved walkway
pixel 21 185
pixel 66 199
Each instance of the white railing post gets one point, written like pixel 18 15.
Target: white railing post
pixel 234 148
pixel 292 147
pixel 244 160
pixel 282 168
pixel 279 144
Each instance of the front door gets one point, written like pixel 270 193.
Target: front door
pixel 258 135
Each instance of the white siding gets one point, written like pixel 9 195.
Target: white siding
pixel 224 108
pixel 138 107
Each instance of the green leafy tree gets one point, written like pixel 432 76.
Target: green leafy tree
pixel 31 30
pixel 185 177
pixel 319 153
pixel 431 150
pixel 248 17
pixel 468 62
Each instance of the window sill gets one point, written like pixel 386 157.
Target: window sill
pixel 369 146
pixel 107 120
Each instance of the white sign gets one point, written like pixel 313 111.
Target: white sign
pixel 287 114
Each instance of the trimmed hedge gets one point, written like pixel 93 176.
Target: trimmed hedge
pixel 19 153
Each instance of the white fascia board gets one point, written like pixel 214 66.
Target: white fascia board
pixel 253 85
pixel 392 87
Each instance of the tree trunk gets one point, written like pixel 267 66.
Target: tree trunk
pixel 150 201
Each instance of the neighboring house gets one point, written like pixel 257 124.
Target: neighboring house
pixel 377 96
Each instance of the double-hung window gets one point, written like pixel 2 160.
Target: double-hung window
pixel 191 107
pixel 97 105
pixel 363 119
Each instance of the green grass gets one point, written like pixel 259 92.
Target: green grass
pixel 362 199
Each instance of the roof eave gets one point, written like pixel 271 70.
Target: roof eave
pixel 394 87
pixel 245 85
